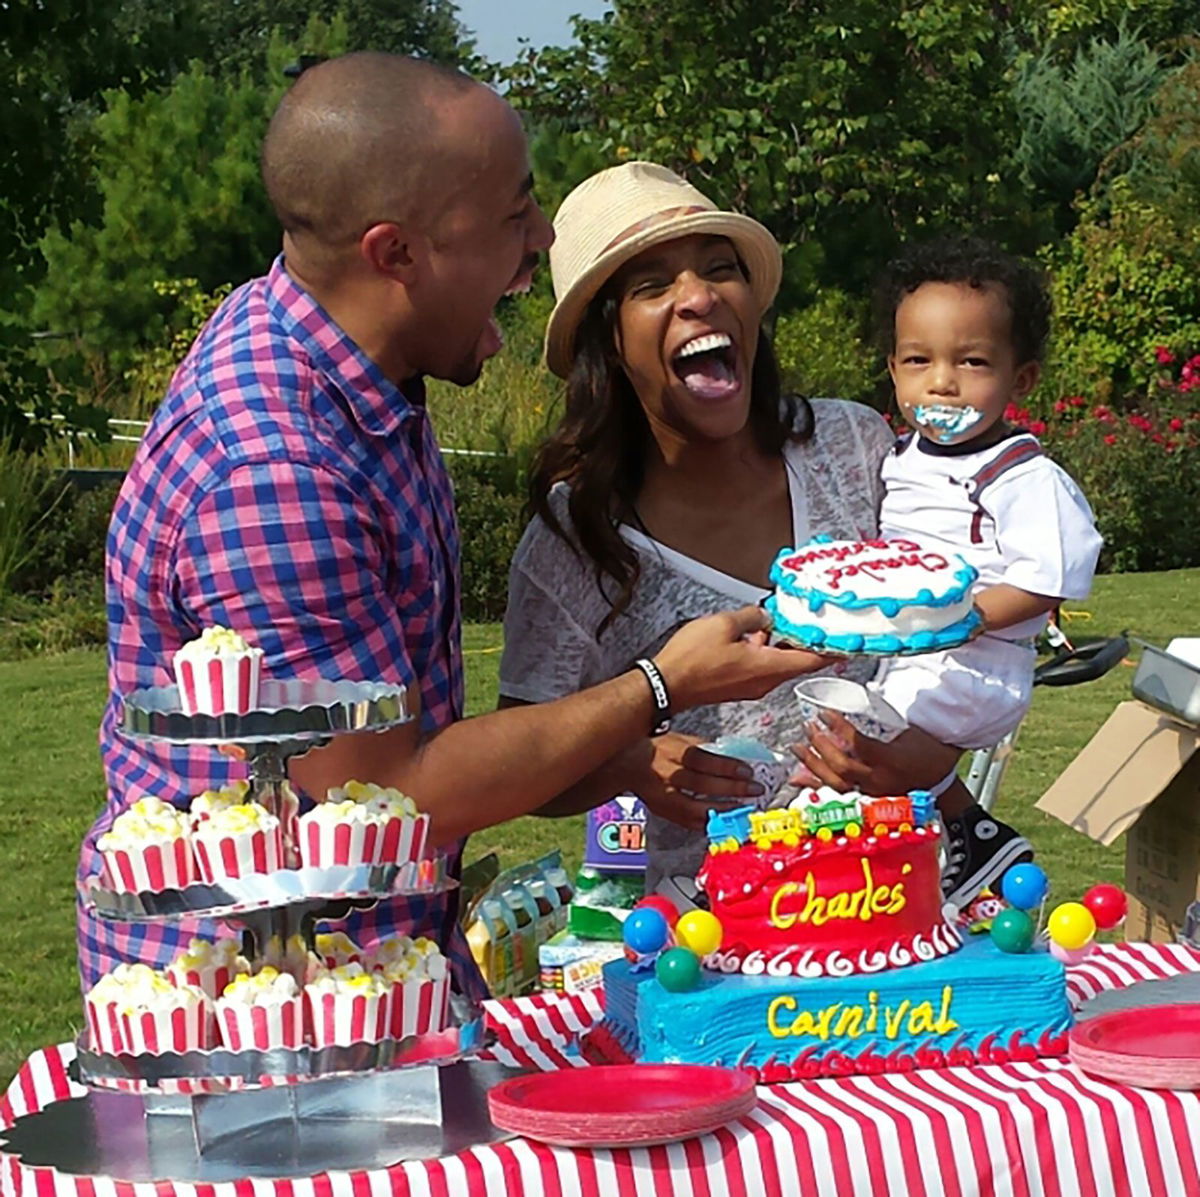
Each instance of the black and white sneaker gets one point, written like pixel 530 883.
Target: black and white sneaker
pixel 684 892
pixel 979 850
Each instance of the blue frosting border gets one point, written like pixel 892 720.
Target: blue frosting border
pixel 852 644
pixel 964 576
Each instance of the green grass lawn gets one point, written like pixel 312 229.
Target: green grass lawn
pixel 51 788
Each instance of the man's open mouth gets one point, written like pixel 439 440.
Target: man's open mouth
pixel 707 365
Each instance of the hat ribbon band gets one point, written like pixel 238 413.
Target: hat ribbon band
pixel 652 219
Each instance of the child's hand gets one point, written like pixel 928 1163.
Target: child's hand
pixel 836 755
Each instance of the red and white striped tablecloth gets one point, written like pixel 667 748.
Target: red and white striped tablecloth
pixel 1041 1129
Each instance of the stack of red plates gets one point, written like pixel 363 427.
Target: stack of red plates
pixel 1155 1047
pixel 621 1105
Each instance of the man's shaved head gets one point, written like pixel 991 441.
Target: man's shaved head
pixel 359 140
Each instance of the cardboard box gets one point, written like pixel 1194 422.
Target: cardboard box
pixel 1140 774
pixel 571 965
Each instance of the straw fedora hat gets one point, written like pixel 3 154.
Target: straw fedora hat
pixel 619 212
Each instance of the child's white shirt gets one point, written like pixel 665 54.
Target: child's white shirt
pixel 1010 511
pixel 1018 518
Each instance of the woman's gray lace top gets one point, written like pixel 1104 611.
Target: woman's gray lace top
pixel 555 605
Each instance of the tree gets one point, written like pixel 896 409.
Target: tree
pixel 842 125
pixel 1073 114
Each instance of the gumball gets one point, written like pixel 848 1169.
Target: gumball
pixel 1024 886
pixel 644 930
pixel 1108 905
pixel 677 969
pixel 1070 955
pixel 1012 931
pixel 698 930
pixel 662 904
pixel 1071 925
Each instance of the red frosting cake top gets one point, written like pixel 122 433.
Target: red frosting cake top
pixel 842 884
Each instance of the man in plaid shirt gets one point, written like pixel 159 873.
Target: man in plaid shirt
pixel 290 487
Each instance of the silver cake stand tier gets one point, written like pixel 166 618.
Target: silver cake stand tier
pixel 366 1122
pixel 221 1071
pixel 293 710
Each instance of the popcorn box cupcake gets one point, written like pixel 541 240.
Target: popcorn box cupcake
pixel 336 948
pixel 348 1005
pixel 136 1010
pixel 261 1012
pixel 203 806
pixel 208 965
pixel 238 842
pixel 420 981
pixel 147 849
pixel 218 674
pixel 340 834
pixel 405 831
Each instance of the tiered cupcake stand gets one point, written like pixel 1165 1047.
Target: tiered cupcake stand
pixel 208 1116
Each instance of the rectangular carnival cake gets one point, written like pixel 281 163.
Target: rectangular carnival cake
pixel 978 1004
pixel 827 950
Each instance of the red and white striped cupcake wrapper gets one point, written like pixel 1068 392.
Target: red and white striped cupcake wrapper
pixel 150 869
pixel 105 1032
pixel 219 856
pixel 263 1027
pixel 211 981
pixel 419 1007
pixel 183 1029
pixel 324 845
pixel 221 685
pixel 404 839
pixel 343 1019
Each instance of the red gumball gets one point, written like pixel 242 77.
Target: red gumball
pixel 662 904
pixel 1108 905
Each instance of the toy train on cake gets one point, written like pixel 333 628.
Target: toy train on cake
pixel 822 813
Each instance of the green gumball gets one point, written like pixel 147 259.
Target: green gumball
pixel 677 970
pixel 1013 931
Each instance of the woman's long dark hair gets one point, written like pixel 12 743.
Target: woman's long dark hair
pixel 599 448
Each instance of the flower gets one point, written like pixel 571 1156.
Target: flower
pixel 1110 439
pixel 1037 427
pixel 1175 424
pixel 1060 406
pixel 1164 355
pixel 1077 401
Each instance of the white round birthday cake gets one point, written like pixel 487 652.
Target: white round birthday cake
pixel 877 597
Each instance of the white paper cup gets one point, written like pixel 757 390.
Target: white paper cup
pixel 261 1027
pixel 865 711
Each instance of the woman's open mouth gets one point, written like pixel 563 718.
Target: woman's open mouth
pixel 707 365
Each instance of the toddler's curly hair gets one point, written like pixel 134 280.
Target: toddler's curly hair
pixel 977 263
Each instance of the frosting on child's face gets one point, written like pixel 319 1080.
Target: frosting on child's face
pixel 954 366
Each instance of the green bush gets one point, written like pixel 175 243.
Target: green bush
pixel 823 350
pixel 489 494
pixel 1126 281
pixel 1140 470
pixel 68 547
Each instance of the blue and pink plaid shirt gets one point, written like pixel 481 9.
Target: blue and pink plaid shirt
pixel 287 489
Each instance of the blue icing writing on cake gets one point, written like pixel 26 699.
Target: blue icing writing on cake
pixel 872 596
pixel 979 1005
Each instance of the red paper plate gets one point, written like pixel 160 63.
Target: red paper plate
pixel 1154 1048
pixel 621 1105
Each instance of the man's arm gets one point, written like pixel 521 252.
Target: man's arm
pixel 486 770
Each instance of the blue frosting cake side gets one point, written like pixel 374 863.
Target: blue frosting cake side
pixel 978 1004
pixel 811 636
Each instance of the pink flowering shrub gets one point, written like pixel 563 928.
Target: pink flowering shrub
pixel 1140 468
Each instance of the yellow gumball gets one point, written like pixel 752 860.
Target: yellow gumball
pixel 700 931
pixel 1071 925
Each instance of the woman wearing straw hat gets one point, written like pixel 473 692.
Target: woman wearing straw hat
pixel 677 472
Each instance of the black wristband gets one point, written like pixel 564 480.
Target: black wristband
pixel 659 693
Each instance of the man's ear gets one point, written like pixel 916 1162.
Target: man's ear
pixel 393 251
pixel 1026 378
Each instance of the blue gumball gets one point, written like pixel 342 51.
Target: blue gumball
pixel 645 930
pixel 1024 886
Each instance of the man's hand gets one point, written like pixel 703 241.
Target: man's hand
pixel 725 657
pixel 680 782
pixel 836 755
